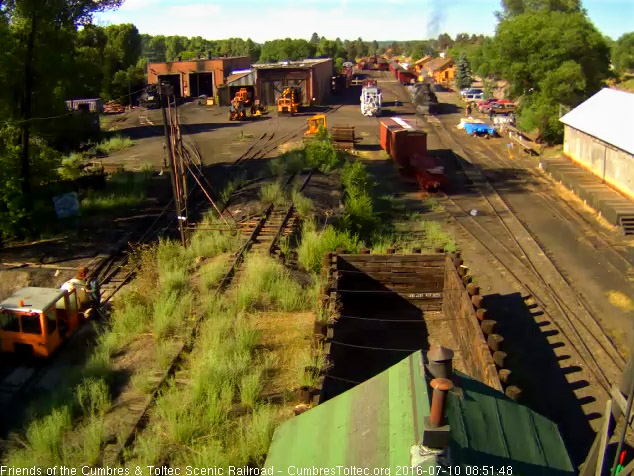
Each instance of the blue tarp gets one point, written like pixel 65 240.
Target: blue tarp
pixel 477 128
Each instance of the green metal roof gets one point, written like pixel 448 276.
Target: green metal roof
pixel 374 425
pixel 35 299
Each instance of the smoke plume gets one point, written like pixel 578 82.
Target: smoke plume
pixel 436 17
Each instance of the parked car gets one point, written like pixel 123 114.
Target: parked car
pixel 473 97
pixel 486 102
pixel 465 92
pixel 487 108
pixel 504 108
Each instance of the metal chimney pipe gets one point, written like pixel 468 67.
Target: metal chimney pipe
pixel 439 401
pixel 440 362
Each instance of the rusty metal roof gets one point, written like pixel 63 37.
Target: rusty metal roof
pixel 438 64
pixel 376 423
pixel 424 59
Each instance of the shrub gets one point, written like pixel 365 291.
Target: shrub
pixel 322 155
pixel 356 179
pixel 70 166
pixel 360 218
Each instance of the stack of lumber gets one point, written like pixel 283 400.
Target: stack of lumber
pixel 343 137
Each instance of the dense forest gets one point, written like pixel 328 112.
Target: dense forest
pixel 548 50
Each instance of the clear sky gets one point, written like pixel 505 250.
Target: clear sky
pixel 263 20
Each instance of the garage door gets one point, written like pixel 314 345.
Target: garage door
pixel 271 90
pixel 201 83
pixel 174 80
pixel 301 83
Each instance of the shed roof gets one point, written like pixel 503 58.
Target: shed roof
pixel 305 63
pixel 608 116
pixel 438 64
pixel 35 299
pixel 424 59
pixel 244 78
pixel 375 424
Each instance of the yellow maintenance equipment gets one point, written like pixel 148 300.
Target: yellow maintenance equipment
pixel 239 105
pixel 288 102
pixel 314 123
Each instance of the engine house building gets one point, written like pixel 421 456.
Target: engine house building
pixel 193 78
pixel 311 75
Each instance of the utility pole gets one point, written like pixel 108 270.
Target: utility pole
pixel 166 91
pixel 129 95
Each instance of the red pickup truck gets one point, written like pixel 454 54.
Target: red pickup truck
pixel 486 108
pixel 486 102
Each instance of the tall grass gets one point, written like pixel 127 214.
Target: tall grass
pixel 171 311
pixel 114 144
pixel 231 187
pixel 196 422
pixel 123 190
pixel 267 284
pixel 44 437
pixel 315 243
pixel 436 237
pixel 290 162
pixel 273 193
pixel 303 205
pixel 210 243
pixel 212 272
pixel 93 396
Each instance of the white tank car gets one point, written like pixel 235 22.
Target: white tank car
pixel 371 101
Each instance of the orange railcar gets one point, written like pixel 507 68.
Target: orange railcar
pixel 37 320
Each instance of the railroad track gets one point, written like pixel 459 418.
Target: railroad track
pixel 567 214
pixel 531 267
pixel 117 270
pixel 262 235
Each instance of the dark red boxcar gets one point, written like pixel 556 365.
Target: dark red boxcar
pixel 417 143
pixel 399 147
pixel 386 125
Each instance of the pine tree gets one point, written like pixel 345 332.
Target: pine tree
pixel 463 73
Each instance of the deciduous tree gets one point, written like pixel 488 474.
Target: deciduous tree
pixel 623 53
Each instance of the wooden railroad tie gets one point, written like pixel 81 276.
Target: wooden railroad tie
pixel 495 342
pixel 488 326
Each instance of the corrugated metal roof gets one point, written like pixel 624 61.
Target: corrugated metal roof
pixel 35 299
pixel 375 424
pixel 241 79
pixel 608 116
pixel 305 63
